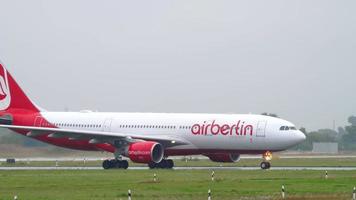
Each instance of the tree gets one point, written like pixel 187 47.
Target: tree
pixel 352 120
pixel 349 139
pixel 322 135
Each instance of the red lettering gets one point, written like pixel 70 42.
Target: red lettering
pixel 202 128
pixel 232 128
pixel 215 126
pixel 206 129
pixel 248 128
pixel 242 129
pixel 225 129
pixel 196 129
pixel 239 128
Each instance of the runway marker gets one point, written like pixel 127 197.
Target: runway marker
pixel 354 194
pixel 154 177
pixel 283 192
pixel 129 195
pixel 15 197
pixel 212 175
pixel 209 194
pixel 326 174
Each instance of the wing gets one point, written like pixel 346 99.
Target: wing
pixel 97 137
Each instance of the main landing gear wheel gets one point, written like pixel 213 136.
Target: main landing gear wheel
pixel 265 165
pixel 164 164
pixel 118 164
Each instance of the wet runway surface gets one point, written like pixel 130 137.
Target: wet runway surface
pixel 182 168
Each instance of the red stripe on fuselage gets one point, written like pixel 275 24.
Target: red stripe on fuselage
pixel 27 118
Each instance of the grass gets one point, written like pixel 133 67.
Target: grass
pixel 171 184
pixel 284 162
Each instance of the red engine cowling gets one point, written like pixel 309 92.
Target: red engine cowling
pixel 145 152
pixel 224 157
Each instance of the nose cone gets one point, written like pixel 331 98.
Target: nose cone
pixel 300 137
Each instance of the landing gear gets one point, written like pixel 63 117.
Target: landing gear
pixel 164 164
pixel 265 165
pixel 267 156
pixel 114 163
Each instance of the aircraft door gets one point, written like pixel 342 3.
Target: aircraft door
pixel 107 125
pixel 261 129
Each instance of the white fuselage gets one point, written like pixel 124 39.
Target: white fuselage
pixel 204 132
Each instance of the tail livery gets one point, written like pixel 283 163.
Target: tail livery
pixel 12 97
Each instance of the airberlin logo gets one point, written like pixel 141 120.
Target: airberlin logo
pixel 5 97
pixel 239 128
pixel 139 153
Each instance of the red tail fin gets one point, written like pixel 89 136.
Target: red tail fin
pixel 11 95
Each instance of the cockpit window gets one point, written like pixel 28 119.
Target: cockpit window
pixel 286 128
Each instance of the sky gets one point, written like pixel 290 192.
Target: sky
pixel 294 58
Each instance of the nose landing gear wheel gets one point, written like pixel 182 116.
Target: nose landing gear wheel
pixel 265 165
pixel 267 156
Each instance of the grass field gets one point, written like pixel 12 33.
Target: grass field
pixel 181 184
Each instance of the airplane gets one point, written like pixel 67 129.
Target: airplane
pixel 148 138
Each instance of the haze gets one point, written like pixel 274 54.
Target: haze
pixel 293 58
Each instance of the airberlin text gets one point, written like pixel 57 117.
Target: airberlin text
pixel 239 128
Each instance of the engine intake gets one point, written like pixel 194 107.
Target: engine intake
pixel 224 157
pixel 145 152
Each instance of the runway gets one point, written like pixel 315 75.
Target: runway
pixel 185 168
pixel 287 156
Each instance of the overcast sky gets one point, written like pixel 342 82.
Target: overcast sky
pixel 293 58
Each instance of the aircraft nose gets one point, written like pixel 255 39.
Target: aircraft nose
pixel 300 136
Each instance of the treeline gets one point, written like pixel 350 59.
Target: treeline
pixel 344 136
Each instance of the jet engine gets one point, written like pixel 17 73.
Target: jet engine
pixel 145 152
pixel 224 157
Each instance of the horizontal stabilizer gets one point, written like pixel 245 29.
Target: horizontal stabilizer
pixel 6 119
